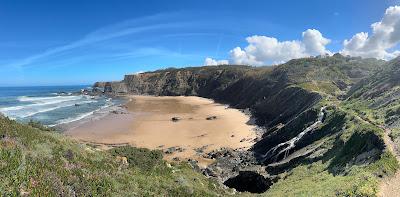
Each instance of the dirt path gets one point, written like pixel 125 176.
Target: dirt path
pixel 390 186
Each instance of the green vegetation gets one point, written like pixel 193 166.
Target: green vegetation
pixel 350 161
pixel 326 87
pixel 44 163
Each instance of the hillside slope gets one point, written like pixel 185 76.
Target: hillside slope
pixel 376 98
pixel 313 144
pixel 35 161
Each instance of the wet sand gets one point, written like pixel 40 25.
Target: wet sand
pixel 148 124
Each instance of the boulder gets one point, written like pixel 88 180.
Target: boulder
pixel 211 118
pixel 176 159
pixel 170 150
pixel 209 172
pixel 176 119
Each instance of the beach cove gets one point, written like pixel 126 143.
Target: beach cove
pixel 183 127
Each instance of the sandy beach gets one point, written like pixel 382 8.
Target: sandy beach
pixel 148 124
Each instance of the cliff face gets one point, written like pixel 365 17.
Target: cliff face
pixel 309 128
pixel 192 81
pixel 116 87
pixel 275 95
pixel 269 97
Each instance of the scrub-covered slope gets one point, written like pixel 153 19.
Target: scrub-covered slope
pixel 37 162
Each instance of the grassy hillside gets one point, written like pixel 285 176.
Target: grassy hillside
pixel 38 162
pixel 348 159
pixel 377 98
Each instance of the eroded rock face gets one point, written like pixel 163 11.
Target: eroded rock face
pixel 115 87
pixel 248 181
pixel 269 96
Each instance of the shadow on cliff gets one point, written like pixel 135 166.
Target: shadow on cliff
pixel 363 147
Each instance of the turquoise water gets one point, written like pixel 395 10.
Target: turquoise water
pixel 50 105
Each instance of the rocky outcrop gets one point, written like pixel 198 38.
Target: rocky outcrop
pixel 201 81
pixel 116 87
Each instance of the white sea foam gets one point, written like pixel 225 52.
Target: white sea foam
pixel 79 117
pixel 47 99
pixel 32 109
pixel 40 101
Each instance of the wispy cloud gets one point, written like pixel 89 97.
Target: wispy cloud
pixel 126 28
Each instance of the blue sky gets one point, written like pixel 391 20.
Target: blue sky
pixel 80 42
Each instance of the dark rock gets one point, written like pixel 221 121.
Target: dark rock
pixel 236 169
pixel 194 164
pixel 170 150
pixel 179 149
pixel 209 172
pixel 176 159
pixel 211 118
pixel 201 149
pixel 248 181
pixel 175 119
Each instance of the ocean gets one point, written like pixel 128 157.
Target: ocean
pixel 51 105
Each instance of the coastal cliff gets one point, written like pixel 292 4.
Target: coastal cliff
pixel 274 95
pixel 305 119
pixel 234 85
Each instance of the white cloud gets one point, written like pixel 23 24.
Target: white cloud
pixel 212 62
pixel 138 72
pixel 265 50
pixel 314 42
pixel 108 33
pixel 385 36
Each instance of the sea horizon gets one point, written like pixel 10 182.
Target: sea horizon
pixel 51 85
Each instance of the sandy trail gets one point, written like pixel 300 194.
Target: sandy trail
pixel 390 187
pixel 149 125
